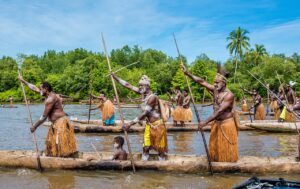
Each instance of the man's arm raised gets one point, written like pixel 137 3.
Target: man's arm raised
pixel 31 86
pixel 125 84
pixel 198 80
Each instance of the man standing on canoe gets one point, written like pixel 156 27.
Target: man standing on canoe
pixel 291 98
pixel 223 143
pixel 188 115
pixel 107 109
pixel 155 135
pixel 259 108
pixel 245 108
pixel 178 113
pixel 60 141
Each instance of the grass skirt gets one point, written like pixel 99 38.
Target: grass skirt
pixel 155 136
pixel 178 114
pixel 60 141
pixel 223 142
pixel 188 114
pixel 260 112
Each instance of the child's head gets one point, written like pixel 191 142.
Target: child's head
pixel 118 141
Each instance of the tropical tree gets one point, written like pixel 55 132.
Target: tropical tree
pixel 258 53
pixel 238 42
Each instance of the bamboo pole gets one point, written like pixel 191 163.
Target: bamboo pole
pixel 119 105
pixel 196 110
pixel 39 165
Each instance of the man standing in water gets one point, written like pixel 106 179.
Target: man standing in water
pixel 155 135
pixel 259 108
pixel 223 143
pixel 107 109
pixel 11 102
pixel 60 141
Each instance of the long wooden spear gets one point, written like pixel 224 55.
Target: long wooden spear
pixel 119 105
pixel 276 98
pixel 196 110
pixel 249 109
pixel 39 164
pixel 90 103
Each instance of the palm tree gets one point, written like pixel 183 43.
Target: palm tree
pixel 238 41
pixel 258 52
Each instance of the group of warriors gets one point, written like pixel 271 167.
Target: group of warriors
pixel 281 107
pixel 223 142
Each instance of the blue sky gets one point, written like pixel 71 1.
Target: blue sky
pixel 32 27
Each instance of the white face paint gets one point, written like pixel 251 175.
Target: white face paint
pixel 116 145
pixel 41 93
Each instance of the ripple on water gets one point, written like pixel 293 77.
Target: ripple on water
pixel 23 172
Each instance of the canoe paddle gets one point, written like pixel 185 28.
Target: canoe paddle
pixel 196 111
pixel 39 164
pixel 119 105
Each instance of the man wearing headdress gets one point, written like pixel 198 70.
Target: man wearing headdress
pixel 107 109
pixel 223 142
pixel 60 140
pixel 259 108
pixel 155 135
pixel 178 112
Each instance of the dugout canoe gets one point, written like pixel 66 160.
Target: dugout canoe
pixel 174 163
pixel 275 126
pixel 96 126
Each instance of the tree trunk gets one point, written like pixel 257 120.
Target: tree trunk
pixel 235 69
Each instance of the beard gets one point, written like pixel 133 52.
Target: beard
pixel 143 90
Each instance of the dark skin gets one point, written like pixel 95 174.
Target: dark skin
pixel 38 89
pixel 120 153
pixel 291 96
pixel 255 96
pixel 224 110
pixel 187 100
pixel 53 109
pixel 143 90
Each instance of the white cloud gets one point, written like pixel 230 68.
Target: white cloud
pixel 280 38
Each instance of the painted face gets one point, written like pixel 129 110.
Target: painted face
pixel 143 88
pixel 219 84
pixel 116 145
pixel 43 91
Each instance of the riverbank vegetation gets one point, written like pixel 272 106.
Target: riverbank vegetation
pixel 75 73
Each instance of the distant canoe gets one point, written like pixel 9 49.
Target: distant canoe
pixel 282 127
pixel 8 107
pixel 174 163
pixel 96 126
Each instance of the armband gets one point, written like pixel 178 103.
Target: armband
pixel 148 108
pixel 43 117
pixel 136 120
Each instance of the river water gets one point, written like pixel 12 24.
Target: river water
pixel 15 135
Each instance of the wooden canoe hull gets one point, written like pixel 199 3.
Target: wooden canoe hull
pixel 96 126
pixel 281 127
pixel 174 163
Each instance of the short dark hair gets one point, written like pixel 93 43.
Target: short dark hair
pixel 119 140
pixel 177 88
pixel 185 90
pixel 47 86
